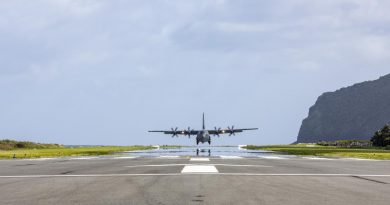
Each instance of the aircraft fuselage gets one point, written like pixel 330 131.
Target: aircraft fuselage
pixel 203 136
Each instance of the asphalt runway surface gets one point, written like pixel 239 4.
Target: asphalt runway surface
pixel 183 178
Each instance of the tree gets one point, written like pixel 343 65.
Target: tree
pixel 381 137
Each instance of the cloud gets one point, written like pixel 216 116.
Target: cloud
pixel 245 27
pixel 118 57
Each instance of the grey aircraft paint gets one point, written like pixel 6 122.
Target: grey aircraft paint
pixel 204 134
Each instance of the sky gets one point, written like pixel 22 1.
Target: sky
pixel 104 72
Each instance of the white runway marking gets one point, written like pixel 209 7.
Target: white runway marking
pixel 169 157
pixel 230 157
pixel 41 159
pixel 124 157
pixel 360 159
pixel 317 158
pixel 208 173
pixel 200 159
pixel 78 158
pixel 272 157
pixel 175 165
pixel 199 169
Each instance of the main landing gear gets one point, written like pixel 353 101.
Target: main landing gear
pixel 203 150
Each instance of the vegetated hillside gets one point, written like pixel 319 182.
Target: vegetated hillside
pixel 352 113
pixel 12 144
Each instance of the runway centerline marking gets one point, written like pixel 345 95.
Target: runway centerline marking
pixel 200 159
pixel 199 169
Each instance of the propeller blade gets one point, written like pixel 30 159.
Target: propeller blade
pixel 174 131
pixel 231 130
pixel 217 131
pixel 189 132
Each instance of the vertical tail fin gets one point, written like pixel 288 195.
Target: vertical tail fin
pixel 204 127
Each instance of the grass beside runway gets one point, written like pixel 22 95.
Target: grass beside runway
pixel 69 151
pixel 326 151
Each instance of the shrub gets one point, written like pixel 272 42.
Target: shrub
pixel 381 137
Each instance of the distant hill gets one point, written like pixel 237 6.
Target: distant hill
pixel 352 113
pixel 12 144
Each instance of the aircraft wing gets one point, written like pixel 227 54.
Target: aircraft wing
pixel 228 131
pixel 177 132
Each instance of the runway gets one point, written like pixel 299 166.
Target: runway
pixel 223 177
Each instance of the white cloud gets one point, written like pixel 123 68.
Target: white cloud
pixel 245 27
pixel 135 53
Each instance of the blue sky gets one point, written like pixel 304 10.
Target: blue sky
pixel 105 72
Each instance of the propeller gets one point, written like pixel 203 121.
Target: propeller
pixel 217 131
pixel 174 132
pixel 189 131
pixel 231 131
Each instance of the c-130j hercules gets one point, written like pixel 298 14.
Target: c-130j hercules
pixel 202 135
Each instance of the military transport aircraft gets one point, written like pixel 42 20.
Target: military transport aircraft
pixel 202 135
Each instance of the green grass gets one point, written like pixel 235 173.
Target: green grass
pixel 327 151
pixel 69 151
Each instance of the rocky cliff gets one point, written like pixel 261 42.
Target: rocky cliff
pixel 355 112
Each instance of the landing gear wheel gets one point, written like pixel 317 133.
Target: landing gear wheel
pixel 209 142
pixel 197 142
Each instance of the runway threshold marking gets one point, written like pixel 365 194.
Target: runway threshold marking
pixel 200 159
pixel 199 169
pixel 197 173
